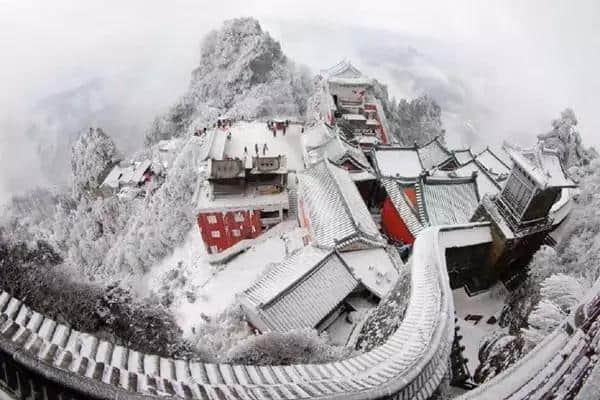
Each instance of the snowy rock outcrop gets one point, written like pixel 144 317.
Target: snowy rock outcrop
pixel 564 138
pixel 243 73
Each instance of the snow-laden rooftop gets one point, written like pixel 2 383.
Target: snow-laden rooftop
pixel 485 183
pixel 254 135
pixel 336 211
pixel 129 175
pixel 492 162
pixel 433 154
pixel 373 268
pixel 543 165
pixel 329 144
pixel 354 117
pixel 396 162
pixel 249 199
pixel 299 292
pixel 344 73
pixel 447 201
pixel 283 275
pixel 463 156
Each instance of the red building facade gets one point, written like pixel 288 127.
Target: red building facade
pixel 393 223
pixel 222 229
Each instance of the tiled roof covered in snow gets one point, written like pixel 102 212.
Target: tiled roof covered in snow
pixel 486 183
pixel 130 175
pixel 403 206
pixel 374 268
pixel 338 151
pixel 463 156
pixel 397 162
pixel 434 154
pixel 325 141
pixel 543 165
pixel 337 213
pixel 492 162
pixel 299 292
pixel 345 73
pixel 444 201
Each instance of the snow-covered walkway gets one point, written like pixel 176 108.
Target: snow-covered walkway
pixel 486 305
pixel 198 290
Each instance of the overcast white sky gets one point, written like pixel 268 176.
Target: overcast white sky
pixel 505 68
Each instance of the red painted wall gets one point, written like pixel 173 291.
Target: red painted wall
pixel 221 230
pixel 303 219
pixel 393 224
pixel 411 193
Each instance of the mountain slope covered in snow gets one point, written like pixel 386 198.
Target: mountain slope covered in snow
pixel 243 73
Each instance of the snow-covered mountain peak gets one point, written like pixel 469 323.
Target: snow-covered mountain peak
pixel 243 73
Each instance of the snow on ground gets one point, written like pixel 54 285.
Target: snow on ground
pixel 486 304
pixel 248 134
pixel 198 290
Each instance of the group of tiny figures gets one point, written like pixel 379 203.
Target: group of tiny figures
pixel 221 123
pixel 272 125
pixel 256 148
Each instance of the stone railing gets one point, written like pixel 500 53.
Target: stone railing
pixel 39 355
pixel 42 359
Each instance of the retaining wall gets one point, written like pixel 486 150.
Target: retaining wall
pixel 40 356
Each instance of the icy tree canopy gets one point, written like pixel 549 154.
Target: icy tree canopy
pixel 92 156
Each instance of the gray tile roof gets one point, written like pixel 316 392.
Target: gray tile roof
pixel 299 292
pixel 338 150
pixel 542 164
pixel 374 268
pixel 433 154
pixel 492 162
pixel 463 156
pixel 337 213
pixel 406 211
pixel 444 201
pixel 324 141
pixel 345 73
pixel 486 183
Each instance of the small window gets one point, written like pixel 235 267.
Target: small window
pixel 215 234
pixel 238 217
pixel 212 219
pixel 236 232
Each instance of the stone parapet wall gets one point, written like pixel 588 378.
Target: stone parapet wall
pixel 53 358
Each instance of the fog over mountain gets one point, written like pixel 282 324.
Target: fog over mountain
pixel 497 71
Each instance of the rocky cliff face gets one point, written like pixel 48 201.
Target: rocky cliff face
pixel 566 139
pixel 243 73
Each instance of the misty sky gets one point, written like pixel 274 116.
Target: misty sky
pixel 499 70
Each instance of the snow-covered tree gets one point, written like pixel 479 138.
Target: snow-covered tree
pixel 161 222
pixel 562 290
pixel 92 156
pixel 546 317
pixel 304 346
pixel 496 353
pixel 416 121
